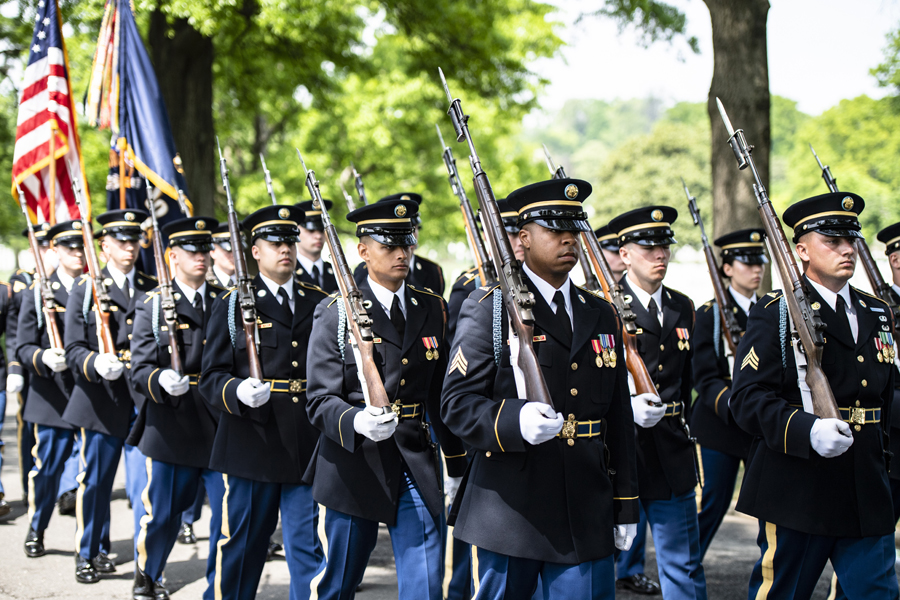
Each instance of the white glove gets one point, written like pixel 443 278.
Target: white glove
pixel 14 383
pixel 830 437
pixel 253 392
pixel 375 424
pixel 451 486
pixel 55 359
pixel 108 366
pixel 173 384
pixel 624 535
pixel 539 423
pixel 647 415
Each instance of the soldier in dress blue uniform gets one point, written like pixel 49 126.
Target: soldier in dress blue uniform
pixel 534 467
pixel 819 486
pixel 177 428
pixel 667 462
pixel 890 236
pixel 423 273
pixel 5 296
pixel 371 467
pixel 310 266
pixel 609 244
pixel 50 382
pixel 264 440
pixel 102 404
pixel 17 376
pixel 723 444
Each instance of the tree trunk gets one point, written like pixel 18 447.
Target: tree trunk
pixel 183 59
pixel 741 80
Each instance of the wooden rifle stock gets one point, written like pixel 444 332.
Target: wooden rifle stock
pixel 166 297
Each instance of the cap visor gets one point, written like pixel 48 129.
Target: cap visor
pixel 401 239
pixel 563 224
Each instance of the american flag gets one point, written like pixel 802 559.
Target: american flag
pixel 46 101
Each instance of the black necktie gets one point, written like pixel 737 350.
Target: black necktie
pixel 126 289
pixel 653 309
pixel 285 307
pixel 397 317
pixel 317 277
pixel 563 323
pixel 752 304
pixel 843 322
pixel 198 305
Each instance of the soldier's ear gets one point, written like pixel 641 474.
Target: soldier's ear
pixel 525 237
pixel 894 259
pixel 362 250
pixel 802 251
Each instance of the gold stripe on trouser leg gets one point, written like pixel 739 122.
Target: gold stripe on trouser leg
pixel 448 561
pixel 226 535
pixel 146 519
pixel 79 498
pixel 768 563
pixel 32 508
pixel 832 593
pixel 323 539
pixel 20 431
pixel 475 575
pixel 699 487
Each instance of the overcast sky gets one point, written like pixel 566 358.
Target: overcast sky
pixel 820 51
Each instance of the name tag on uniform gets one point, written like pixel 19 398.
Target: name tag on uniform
pixel 535 339
pixel 184 326
pixel 264 325
pixel 113 308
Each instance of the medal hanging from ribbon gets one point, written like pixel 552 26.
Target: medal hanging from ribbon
pixel 879 347
pixel 885 344
pixel 595 344
pixel 431 348
pixel 684 337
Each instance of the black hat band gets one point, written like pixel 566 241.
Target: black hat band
pixel 892 246
pixel 574 215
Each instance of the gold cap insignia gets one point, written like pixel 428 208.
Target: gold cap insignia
pixel 571 191
pixel 201 225
pixel 400 210
pixel 129 216
pixel 45 226
pixel 656 215
pixel 816 306
pixel 76 225
pixel 405 197
pixel 284 213
pixel 847 203
pixel 755 237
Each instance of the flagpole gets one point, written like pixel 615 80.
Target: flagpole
pixel 52 216
pixel 120 143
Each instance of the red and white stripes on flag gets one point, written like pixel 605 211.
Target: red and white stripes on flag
pixel 45 109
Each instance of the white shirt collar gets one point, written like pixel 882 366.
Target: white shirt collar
pixel 65 279
pixel 190 292
pixel 743 301
pixel 830 297
pixel 119 277
pixel 896 288
pixel 644 298
pixel 547 291
pixel 308 264
pixel 386 297
pixel 228 280
pixel 273 287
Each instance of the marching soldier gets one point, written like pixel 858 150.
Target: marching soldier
pixel 534 465
pixel 609 243
pixel 423 273
pixel 310 266
pixel 890 236
pixel 178 426
pixel 723 444
pixel 264 440
pixel 5 296
pixel 102 403
pixel 373 468
pixel 819 486
pixel 222 272
pixel 50 382
pixel 667 465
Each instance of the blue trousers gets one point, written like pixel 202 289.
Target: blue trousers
pixel 415 538
pixel 249 517
pixel 73 466
pixel 501 577
pixel 52 449
pixel 676 536
pixel 720 474
pixel 214 483
pixel 2 418
pixel 457 568
pixel 631 562
pixel 791 562
pixel 25 439
pixel 169 489
pixel 135 483
pixel 192 514
pixel 100 455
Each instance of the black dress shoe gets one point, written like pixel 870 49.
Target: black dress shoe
pixel 103 564
pixel 639 584
pixel 5 507
pixel 274 549
pixel 66 503
pixel 186 536
pixel 146 589
pixel 85 571
pixel 34 543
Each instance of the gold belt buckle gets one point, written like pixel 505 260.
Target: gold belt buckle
pixel 858 416
pixel 125 355
pixel 296 386
pixel 397 407
pixel 569 430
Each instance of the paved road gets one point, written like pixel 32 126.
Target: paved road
pixel 51 577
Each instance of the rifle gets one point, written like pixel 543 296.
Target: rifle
pixel 359 323
pixel 879 286
pixel 723 298
pixel 269 187
pixel 643 383
pixel 102 301
pixel 808 328
pixel 166 296
pixel 590 280
pixel 348 198
pixel 486 270
pixel 360 188
pixel 48 300
pixel 182 199
pixel 519 301
pixel 244 281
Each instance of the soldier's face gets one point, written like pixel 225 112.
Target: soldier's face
pixel 615 261
pixel 744 277
pixel 894 259
pixel 827 259
pixel 516 244
pixel 547 250
pixel 276 259
pixel 223 259
pixel 648 264
pixel 71 259
pixel 388 265
pixel 121 253
pixel 311 242
pixel 189 266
